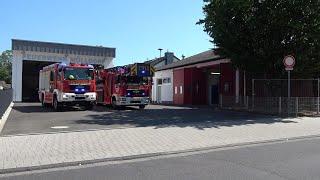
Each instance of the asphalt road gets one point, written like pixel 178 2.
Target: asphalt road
pixel 285 160
pixel 31 118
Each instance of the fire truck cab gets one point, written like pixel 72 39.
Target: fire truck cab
pixel 125 85
pixel 63 85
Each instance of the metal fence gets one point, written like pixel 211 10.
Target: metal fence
pixel 293 106
pixel 5 100
pixel 279 87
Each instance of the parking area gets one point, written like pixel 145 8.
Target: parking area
pixel 31 118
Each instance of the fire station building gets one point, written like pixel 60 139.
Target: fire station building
pixel 29 57
pixel 196 80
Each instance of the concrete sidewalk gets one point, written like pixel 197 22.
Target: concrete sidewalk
pixel 20 153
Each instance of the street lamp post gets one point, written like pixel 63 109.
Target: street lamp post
pixel 160 51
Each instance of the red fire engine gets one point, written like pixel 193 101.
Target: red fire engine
pixel 125 85
pixel 67 85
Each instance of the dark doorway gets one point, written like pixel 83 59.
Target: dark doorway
pixel 214 94
pixel 30 79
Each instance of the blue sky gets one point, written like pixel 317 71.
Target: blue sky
pixel 135 28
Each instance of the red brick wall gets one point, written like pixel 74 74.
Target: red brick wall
pixel 188 85
pixel 199 95
pixel 178 80
pixel 189 79
pixel 227 76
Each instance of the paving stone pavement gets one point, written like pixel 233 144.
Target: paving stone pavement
pixel 48 149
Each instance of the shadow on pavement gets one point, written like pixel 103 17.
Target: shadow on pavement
pixel 169 116
pixel 31 117
pixel 29 108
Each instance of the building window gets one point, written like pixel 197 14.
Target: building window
pixel 159 81
pixel 175 90
pixel 181 90
pixel 166 80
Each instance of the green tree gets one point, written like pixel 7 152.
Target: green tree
pixel 256 35
pixel 6 66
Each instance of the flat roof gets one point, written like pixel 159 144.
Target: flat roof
pixel 62 48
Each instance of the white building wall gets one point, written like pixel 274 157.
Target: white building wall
pixel 17 76
pixel 166 95
pixel 20 56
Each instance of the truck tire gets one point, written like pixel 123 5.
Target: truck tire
pixel 56 104
pixel 142 106
pixel 114 105
pixel 42 101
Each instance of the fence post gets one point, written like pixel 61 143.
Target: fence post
pixel 247 102
pixel 297 106
pixel 280 106
pixel 318 103
pixel 252 94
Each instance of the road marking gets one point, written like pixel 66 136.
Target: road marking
pixel 59 127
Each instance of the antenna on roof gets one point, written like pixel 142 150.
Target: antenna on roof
pixel 183 56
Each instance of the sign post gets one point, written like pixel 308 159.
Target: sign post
pixel 289 63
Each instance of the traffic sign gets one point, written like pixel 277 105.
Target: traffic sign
pixel 289 62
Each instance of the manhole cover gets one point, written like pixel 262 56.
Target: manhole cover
pixel 60 127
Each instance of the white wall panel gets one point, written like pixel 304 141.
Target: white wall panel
pixel 166 88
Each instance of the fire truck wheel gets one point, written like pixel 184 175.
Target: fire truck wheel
pixel 42 102
pixel 56 104
pixel 142 106
pixel 114 105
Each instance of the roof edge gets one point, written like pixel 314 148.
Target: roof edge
pixel 59 43
pixel 212 59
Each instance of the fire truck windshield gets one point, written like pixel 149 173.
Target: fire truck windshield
pixel 133 80
pixel 78 73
